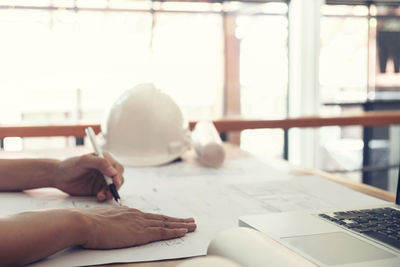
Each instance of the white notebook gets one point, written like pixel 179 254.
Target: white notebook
pixel 242 247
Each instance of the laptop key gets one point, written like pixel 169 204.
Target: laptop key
pixel 362 230
pixel 383 238
pixel 351 225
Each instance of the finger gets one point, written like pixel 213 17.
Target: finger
pixel 114 162
pixel 171 225
pixel 98 185
pixel 118 180
pixel 160 217
pixel 103 165
pixel 101 195
pixel 160 233
pixel 116 165
pixel 110 158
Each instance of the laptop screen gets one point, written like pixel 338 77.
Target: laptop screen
pixel 398 190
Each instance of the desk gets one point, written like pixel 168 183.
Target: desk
pixel 232 153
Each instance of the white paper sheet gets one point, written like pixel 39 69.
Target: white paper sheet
pixel 216 198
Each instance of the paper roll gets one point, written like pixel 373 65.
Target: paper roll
pixel 208 144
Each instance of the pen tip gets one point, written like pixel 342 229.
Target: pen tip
pixel 119 202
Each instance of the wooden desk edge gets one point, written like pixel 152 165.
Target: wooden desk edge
pixel 359 187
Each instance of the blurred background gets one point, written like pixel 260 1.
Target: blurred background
pixel 67 61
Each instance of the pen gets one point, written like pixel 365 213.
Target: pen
pixel 97 151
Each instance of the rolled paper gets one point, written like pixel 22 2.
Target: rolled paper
pixel 208 144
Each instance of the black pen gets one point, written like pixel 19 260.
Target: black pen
pixel 97 151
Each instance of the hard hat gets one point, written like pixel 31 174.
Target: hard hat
pixel 145 127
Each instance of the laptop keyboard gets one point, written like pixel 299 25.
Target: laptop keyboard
pixel 382 224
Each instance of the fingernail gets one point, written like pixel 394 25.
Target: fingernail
pixel 111 171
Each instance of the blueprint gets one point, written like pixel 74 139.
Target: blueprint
pixel 216 198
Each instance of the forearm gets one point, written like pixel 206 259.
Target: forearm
pixel 30 236
pixel 22 174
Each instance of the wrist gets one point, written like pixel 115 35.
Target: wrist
pixel 80 225
pixel 38 173
pixel 42 173
pixel 54 173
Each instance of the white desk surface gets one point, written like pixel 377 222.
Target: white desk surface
pixel 233 153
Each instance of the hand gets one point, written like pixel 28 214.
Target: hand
pixel 32 235
pixel 83 176
pixel 120 227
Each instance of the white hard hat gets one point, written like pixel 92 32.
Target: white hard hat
pixel 145 127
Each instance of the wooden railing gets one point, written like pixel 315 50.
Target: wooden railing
pixel 222 125
pixel 234 125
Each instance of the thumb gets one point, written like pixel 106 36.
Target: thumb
pixel 101 164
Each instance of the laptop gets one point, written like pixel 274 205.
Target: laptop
pixel 368 236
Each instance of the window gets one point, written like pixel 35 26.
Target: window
pixel 264 77
pixel 65 61
pixel 360 53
